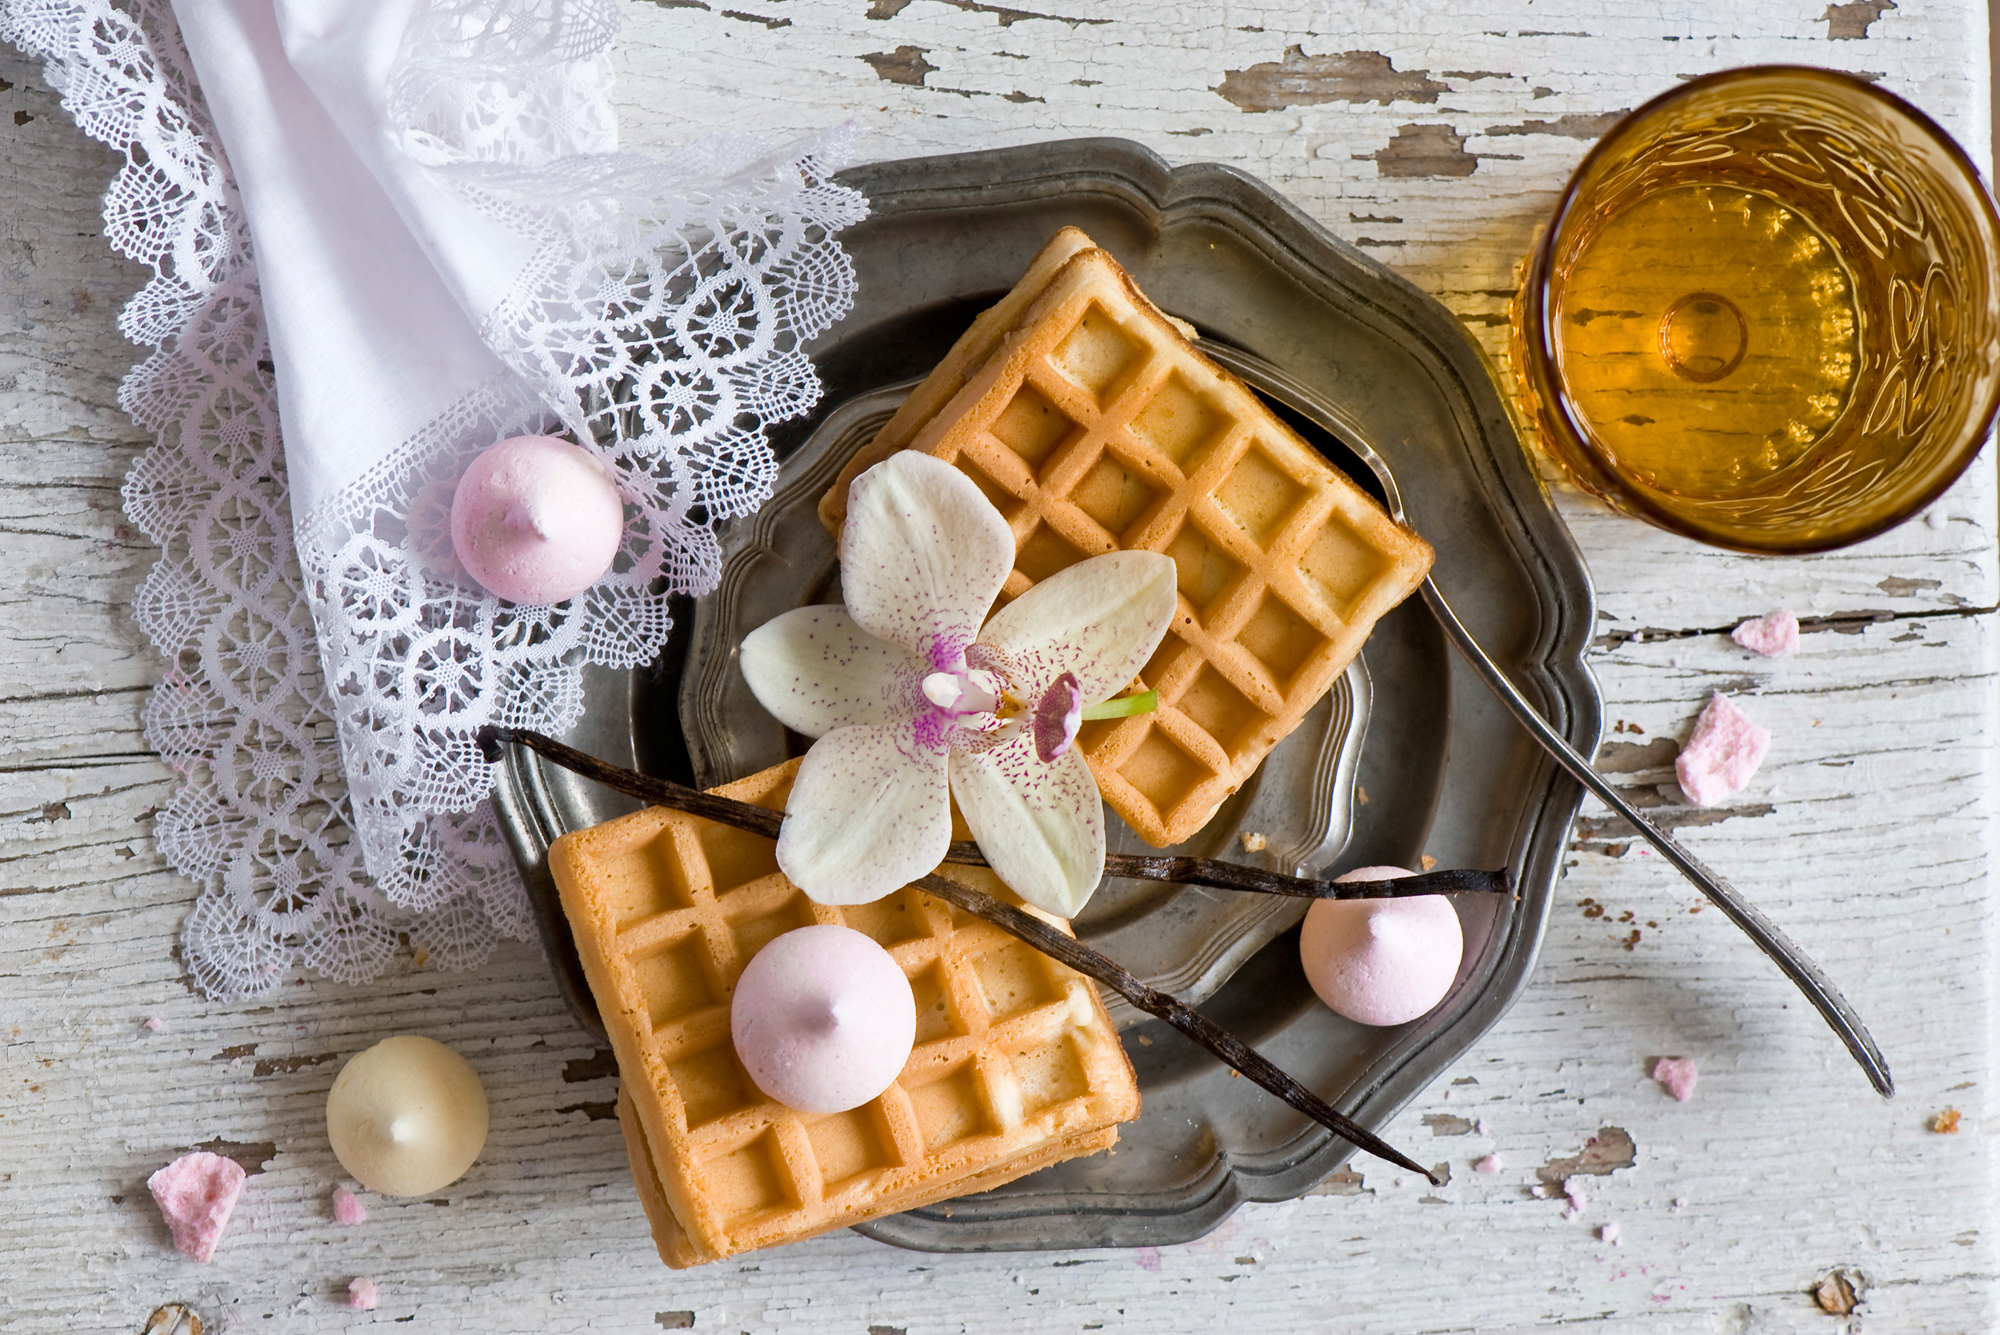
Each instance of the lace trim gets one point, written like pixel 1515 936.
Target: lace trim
pixel 662 322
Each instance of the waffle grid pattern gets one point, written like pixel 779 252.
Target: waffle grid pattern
pixel 1016 1063
pixel 1099 428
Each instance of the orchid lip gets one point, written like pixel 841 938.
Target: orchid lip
pixel 943 690
pixel 971 691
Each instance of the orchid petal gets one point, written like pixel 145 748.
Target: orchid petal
pixel 1040 825
pixel 922 556
pixel 816 671
pixel 868 813
pixel 1100 619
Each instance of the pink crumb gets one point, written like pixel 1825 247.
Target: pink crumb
pixel 347 1208
pixel 1772 636
pixel 1576 1197
pixel 1677 1075
pixel 1722 755
pixel 196 1194
pixel 1608 1233
pixel 361 1294
pixel 153 1024
pixel 1492 1163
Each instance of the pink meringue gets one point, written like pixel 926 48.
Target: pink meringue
pixel 1381 961
pixel 196 1194
pixel 348 1209
pixel 1677 1075
pixel 823 1019
pixel 1722 755
pixel 536 520
pixel 1773 635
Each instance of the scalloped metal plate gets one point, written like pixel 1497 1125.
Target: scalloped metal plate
pixel 1445 771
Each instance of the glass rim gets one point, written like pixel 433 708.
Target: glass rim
pixel 1538 339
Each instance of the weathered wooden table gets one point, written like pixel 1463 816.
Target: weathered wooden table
pixel 1434 137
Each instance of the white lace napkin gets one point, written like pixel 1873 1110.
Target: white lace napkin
pixel 448 249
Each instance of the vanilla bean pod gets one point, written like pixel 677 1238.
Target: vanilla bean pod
pixel 1143 867
pixel 1233 1051
pixel 1234 876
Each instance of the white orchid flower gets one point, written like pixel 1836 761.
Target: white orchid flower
pixel 913 701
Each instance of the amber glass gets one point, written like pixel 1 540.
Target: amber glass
pixel 1765 313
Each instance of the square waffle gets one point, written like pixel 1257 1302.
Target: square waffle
pixel 1095 426
pixel 1016 1064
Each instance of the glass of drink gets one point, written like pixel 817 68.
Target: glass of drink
pixel 1766 313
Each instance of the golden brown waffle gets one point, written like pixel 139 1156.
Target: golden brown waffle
pixel 967 356
pixel 1016 1064
pixel 1095 426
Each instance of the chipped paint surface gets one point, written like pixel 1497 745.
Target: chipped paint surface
pixel 1571 126
pixel 1851 22
pixel 1602 1155
pixel 1424 150
pixel 905 65
pixel 1869 840
pixel 1300 80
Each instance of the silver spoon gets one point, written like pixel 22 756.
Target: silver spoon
pixel 1818 988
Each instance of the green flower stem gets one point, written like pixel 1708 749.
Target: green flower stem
pixel 1123 706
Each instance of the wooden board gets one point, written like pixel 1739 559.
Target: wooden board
pixel 1434 137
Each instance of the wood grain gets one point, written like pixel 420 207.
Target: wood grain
pixel 1869 835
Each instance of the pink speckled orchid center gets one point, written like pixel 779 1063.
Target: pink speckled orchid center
pixel 918 698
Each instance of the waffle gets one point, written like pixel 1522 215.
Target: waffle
pixel 1016 1064
pixel 965 359
pixel 1096 426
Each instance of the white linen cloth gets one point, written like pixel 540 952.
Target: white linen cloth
pixel 448 249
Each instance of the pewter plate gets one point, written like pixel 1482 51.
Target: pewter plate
pixel 1444 769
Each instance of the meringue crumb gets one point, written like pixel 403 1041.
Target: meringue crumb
pixel 1946 1122
pixel 1772 636
pixel 1492 1163
pixel 1722 755
pixel 1576 1196
pixel 361 1294
pixel 1838 1293
pixel 196 1194
pixel 347 1208
pixel 1254 841
pixel 1609 1233
pixel 1677 1075
pixel 153 1024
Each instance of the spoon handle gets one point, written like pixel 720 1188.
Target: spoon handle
pixel 1819 989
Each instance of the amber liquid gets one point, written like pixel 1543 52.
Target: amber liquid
pixel 1708 336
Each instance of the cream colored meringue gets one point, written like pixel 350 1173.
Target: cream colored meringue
pixel 407 1116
